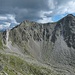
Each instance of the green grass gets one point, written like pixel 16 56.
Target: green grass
pixel 9 71
pixel 14 65
pixel 1 45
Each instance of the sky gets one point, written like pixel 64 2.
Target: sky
pixel 13 12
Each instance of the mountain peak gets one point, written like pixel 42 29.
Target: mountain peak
pixel 70 16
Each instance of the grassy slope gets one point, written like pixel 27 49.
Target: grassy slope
pixel 13 65
pixel 1 46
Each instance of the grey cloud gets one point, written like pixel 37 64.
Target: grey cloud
pixel 28 4
pixel 23 9
pixel 28 9
pixel 62 2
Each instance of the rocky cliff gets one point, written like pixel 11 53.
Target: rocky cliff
pixel 51 44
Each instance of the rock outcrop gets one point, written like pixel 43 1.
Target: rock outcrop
pixel 52 44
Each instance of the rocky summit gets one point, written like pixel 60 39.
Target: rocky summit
pixel 39 49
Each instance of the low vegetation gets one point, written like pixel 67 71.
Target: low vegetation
pixel 1 45
pixel 13 65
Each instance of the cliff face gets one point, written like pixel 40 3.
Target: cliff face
pixel 33 38
pixel 46 41
pixel 64 34
pixel 51 43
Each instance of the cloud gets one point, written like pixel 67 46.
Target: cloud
pixel 16 11
pixel 57 8
pixel 7 21
pixel 5 25
pixel 3 18
pixel 1 27
pixel 67 8
pixel 52 4
pixel 12 19
pixel 44 18
pixel 23 9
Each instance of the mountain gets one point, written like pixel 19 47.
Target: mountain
pixel 39 49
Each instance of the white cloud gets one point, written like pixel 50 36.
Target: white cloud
pixel 7 20
pixel 43 13
pixel 1 26
pixel 12 18
pixel 3 18
pixel 68 7
pixel 44 18
pixel 6 25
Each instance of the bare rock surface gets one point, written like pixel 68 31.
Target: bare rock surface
pixel 52 44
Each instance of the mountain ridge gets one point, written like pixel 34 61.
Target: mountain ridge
pixel 52 44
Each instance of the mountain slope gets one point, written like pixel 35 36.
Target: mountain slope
pixel 66 33
pixel 51 44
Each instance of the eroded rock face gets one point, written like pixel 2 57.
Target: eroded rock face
pixel 66 28
pixel 49 43
pixel 32 37
pixel 69 31
pixel 63 38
